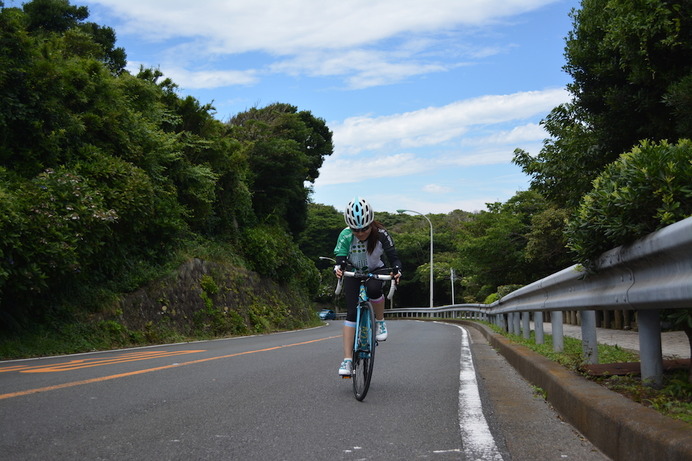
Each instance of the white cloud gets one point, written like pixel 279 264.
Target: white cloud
pixel 209 78
pixel 344 170
pixel 391 202
pixel 316 38
pixel 454 136
pixel 518 134
pixel 437 189
pixel 466 145
pixel 366 68
pixel 281 27
pixel 435 125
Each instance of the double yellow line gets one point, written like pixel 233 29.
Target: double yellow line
pixel 74 365
pixel 89 363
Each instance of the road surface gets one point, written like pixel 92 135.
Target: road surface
pixel 278 397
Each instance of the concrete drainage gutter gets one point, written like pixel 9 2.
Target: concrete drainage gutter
pixel 620 428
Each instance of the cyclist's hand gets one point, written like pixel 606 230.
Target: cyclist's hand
pixel 338 272
pixel 396 275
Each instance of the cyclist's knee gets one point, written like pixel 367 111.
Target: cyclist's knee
pixel 377 300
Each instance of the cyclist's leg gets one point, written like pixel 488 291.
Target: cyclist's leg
pixel 351 288
pixel 377 300
pixel 349 335
pixel 376 295
pixel 378 307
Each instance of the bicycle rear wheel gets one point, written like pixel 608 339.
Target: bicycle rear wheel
pixel 364 352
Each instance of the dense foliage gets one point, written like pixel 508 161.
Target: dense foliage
pixel 643 191
pixel 106 176
pixel 109 178
pixel 631 64
pixel 618 159
pixel 475 252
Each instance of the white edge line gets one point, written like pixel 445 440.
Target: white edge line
pixel 477 440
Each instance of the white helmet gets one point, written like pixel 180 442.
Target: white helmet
pixel 358 213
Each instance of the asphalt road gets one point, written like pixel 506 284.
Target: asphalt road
pixel 278 397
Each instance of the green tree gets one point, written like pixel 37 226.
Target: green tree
pixel 563 170
pixel 287 144
pixel 53 15
pixel 631 64
pixel 324 224
pixel 58 16
pixel 546 246
pixel 494 251
pixel 85 172
pixel 105 176
pixel 644 190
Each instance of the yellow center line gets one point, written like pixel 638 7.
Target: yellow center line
pixel 149 370
pixel 79 364
pixel 95 362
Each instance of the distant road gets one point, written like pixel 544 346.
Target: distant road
pixel 266 397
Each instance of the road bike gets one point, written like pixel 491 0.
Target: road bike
pixel 365 340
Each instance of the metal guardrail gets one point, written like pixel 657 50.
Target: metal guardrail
pixel 649 275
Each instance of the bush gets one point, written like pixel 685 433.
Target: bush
pixel 271 252
pixel 644 190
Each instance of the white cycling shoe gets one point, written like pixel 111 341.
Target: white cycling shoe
pixel 381 331
pixel 346 368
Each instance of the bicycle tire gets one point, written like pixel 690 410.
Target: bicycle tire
pixel 364 355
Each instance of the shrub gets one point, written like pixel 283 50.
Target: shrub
pixel 271 252
pixel 644 190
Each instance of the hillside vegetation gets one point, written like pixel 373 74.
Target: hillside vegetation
pixel 131 214
pixel 110 182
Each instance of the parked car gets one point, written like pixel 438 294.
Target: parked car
pixel 327 314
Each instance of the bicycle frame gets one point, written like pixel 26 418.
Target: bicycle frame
pixel 365 341
pixel 362 341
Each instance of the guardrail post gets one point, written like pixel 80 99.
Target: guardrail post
pixel 503 322
pixel 606 319
pixel 538 326
pixel 516 323
pixel 557 331
pixel 589 341
pixel 650 352
pixel 526 324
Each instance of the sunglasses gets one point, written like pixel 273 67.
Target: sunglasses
pixel 361 230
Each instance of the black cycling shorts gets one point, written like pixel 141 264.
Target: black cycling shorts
pixel 373 288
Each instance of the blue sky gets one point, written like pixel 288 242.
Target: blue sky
pixel 427 99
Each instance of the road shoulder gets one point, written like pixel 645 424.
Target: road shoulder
pixel 529 428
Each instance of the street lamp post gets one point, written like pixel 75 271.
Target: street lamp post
pixel 431 250
pixel 451 278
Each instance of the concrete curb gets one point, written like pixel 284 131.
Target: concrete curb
pixel 620 428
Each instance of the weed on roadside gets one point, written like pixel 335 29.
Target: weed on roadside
pixel 673 399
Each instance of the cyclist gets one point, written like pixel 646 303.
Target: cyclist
pixel 363 244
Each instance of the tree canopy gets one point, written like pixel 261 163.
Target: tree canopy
pixel 631 65
pixel 282 143
pixel 104 173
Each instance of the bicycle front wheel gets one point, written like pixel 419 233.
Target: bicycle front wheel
pixel 364 352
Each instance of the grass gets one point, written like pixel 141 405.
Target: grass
pixel 673 399
pixel 75 336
